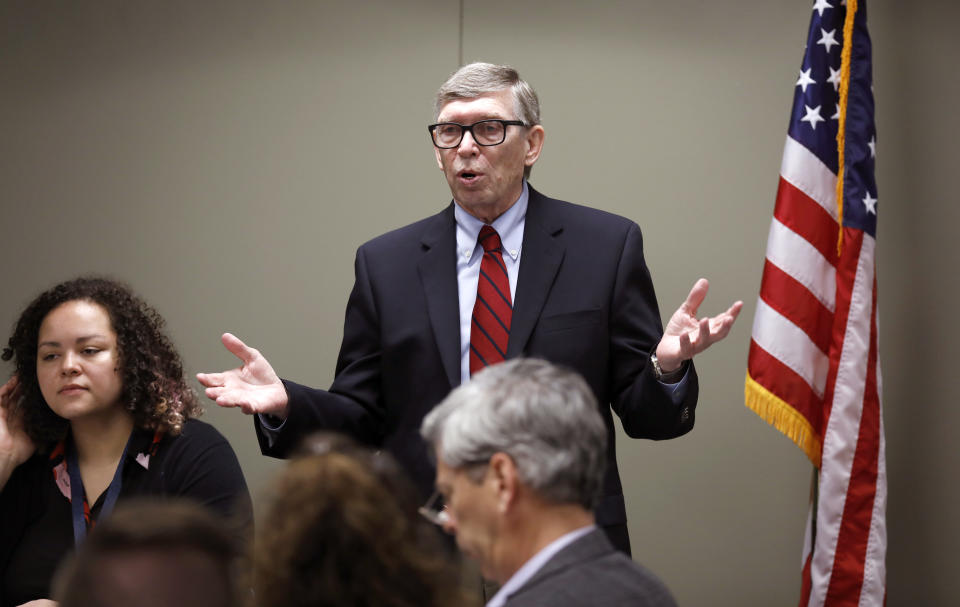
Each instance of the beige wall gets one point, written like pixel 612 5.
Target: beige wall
pixel 227 158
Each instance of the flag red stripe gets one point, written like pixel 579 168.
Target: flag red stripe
pixel 806 583
pixel 786 384
pixel 787 296
pixel 846 274
pixel 807 218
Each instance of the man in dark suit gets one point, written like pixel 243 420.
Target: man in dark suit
pixel 520 452
pixel 563 282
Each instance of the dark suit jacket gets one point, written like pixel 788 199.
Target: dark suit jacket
pixel 589 572
pixel 583 299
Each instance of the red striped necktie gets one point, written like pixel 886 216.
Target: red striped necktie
pixel 490 326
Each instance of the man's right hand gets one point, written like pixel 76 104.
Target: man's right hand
pixel 253 386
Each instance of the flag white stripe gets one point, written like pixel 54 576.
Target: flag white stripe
pixel 802 169
pixel 802 261
pixel 786 342
pixel 840 439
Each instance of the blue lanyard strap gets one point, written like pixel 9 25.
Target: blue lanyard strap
pixel 78 497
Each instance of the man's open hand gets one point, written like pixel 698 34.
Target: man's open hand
pixel 686 336
pixel 253 386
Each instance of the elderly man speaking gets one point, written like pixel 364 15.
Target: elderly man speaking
pixel 520 459
pixel 502 272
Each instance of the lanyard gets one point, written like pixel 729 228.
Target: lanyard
pixel 78 500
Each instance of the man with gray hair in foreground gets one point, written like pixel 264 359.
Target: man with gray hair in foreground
pixel 520 453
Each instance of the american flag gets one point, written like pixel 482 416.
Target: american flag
pixel 813 370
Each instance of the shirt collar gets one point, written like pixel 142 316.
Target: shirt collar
pixel 509 226
pixel 525 573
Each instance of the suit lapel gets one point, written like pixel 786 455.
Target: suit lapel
pixel 542 254
pixel 438 275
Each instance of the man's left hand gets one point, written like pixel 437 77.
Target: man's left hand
pixel 685 336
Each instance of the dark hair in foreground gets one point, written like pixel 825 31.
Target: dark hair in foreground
pixel 154 390
pixel 152 553
pixel 342 530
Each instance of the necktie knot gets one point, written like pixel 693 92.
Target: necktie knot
pixel 489 239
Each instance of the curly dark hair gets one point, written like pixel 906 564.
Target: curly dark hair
pixel 154 390
pixel 342 529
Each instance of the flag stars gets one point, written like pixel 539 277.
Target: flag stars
pixel 820 6
pixel 870 203
pixel 828 39
pixel 836 113
pixel 872 144
pixel 805 79
pixel 834 78
pixel 812 116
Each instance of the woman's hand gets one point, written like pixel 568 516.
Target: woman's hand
pixel 15 446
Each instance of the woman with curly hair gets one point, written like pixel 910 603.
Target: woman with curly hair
pixel 97 410
pixel 342 530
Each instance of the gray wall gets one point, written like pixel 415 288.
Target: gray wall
pixel 226 158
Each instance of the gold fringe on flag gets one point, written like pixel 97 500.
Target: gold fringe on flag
pixel 842 113
pixel 779 414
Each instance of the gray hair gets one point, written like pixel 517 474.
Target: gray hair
pixel 543 416
pixel 475 79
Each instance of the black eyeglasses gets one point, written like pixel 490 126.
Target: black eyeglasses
pixel 447 135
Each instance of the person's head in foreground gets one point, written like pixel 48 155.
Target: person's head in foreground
pixel 151 553
pixel 342 529
pixel 520 463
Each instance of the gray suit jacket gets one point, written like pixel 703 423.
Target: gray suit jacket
pixel 589 572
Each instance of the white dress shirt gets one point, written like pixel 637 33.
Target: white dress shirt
pixel 469 255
